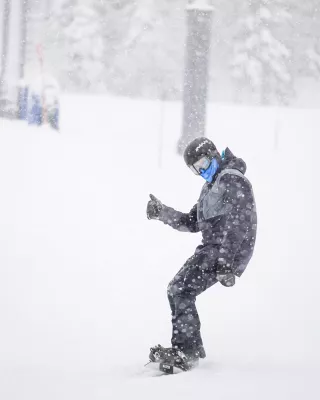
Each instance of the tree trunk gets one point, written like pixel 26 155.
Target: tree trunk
pixel 199 20
pixel 24 26
pixel 4 55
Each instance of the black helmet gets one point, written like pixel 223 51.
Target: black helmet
pixel 199 148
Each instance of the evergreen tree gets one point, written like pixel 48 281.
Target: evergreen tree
pixel 313 60
pixel 144 49
pixel 261 60
pixel 80 42
pixel 137 47
pixel 157 40
pixel 309 13
pixel 115 17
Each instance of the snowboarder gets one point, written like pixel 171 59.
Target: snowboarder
pixel 226 215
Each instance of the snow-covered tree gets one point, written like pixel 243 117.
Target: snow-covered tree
pixel 157 40
pixel 144 50
pixel 132 48
pixel 261 60
pixel 115 17
pixel 77 27
pixel 313 61
pixel 309 13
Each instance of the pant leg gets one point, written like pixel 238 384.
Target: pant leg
pixel 190 281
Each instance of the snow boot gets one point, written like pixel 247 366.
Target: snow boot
pixel 171 357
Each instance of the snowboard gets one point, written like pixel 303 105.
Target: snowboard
pixel 167 368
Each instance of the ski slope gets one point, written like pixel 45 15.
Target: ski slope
pixel 83 273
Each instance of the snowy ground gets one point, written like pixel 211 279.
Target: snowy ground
pixel 83 273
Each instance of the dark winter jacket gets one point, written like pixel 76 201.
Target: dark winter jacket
pixel 225 214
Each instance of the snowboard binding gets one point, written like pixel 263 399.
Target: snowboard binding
pixel 170 358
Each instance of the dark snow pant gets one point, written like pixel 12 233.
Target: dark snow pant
pixel 190 281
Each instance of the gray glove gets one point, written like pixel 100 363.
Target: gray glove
pixel 225 276
pixel 154 207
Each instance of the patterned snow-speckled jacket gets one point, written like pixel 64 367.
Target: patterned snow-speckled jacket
pixel 225 214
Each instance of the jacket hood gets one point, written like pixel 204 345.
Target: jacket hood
pixel 231 161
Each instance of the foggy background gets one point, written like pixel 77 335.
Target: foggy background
pixel 262 52
pixel 83 273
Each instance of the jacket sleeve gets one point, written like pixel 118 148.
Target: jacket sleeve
pixel 180 221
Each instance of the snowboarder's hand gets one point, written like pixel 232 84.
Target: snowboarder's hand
pixel 154 207
pixel 226 280
pixel 225 276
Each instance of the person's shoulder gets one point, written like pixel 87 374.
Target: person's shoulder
pixel 233 177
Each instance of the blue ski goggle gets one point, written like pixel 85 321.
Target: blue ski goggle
pixel 200 166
